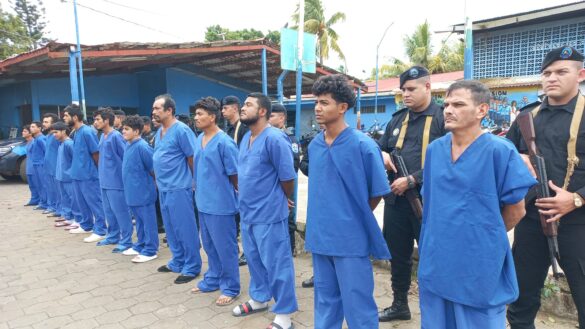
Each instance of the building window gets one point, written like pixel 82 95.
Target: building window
pixel 370 109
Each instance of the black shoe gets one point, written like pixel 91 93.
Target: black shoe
pixel 165 240
pixel 309 283
pixel 398 311
pixel 164 269
pixel 242 261
pixel 184 279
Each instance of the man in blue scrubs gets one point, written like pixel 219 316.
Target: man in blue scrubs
pixel 52 149
pixel 216 182
pixel 111 150
pixel 347 182
pixel 34 193
pixel 473 193
pixel 140 190
pixel 84 175
pixel 266 180
pixel 64 156
pixel 173 167
pixel 37 158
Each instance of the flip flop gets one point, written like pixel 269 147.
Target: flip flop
pixel 61 224
pixel 275 325
pixel 229 302
pixel 246 309
pixel 196 291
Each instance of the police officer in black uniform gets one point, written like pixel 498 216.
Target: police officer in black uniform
pixel 278 120
pixel 409 133
pixel 230 110
pixel 557 120
pixel 147 132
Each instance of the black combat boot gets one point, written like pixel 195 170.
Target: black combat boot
pixel 398 311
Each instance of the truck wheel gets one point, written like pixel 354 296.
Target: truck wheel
pixel 22 170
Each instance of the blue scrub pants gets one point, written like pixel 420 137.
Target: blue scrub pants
pixel 344 287
pixel 118 218
pixel 182 234
pixel 34 190
pixel 218 235
pixel 66 189
pixel 40 182
pixel 146 229
pixel 439 313
pixel 89 200
pixel 272 273
pixel 52 188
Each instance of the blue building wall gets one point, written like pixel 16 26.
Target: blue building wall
pixel 11 97
pixel 186 88
pixel 150 85
pixel 367 119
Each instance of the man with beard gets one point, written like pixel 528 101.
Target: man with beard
pixel 84 174
pixel 173 167
pixel 52 148
pixel 120 116
pixel 266 180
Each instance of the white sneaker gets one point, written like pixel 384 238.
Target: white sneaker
pixel 78 230
pixel 143 259
pixel 130 252
pixel 94 238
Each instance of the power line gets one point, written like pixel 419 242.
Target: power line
pixel 129 7
pixel 124 20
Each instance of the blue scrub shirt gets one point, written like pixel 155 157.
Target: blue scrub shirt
pixel 465 254
pixel 139 188
pixel 214 193
pixel 38 150
pixel 64 157
pixel 111 149
pixel 169 159
pixel 261 168
pixel 52 149
pixel 85 144
pixel 344 176
pixel 29 161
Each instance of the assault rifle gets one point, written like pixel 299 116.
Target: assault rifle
pixel 550 230
pixel 411 194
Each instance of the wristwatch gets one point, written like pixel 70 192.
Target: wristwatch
pixel 578 201
pixel 410 182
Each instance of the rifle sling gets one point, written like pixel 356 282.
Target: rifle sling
pixel 572 159
pixel 426 135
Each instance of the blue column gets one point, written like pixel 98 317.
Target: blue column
pixel 34 101
pixel 280 87
pixel 264 73
pixel 73 76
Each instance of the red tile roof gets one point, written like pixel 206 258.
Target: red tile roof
pixel 386 85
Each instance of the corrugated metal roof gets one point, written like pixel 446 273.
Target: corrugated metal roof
pixel 234 62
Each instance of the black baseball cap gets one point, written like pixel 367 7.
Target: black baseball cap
pixel 413 73
pixel 229 100
pixel 565 53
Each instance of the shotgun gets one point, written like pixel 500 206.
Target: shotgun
pixel 411 194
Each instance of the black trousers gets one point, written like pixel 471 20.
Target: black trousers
pixel 292 228
pixel 532 262
pixel 159 220
pixel 401 229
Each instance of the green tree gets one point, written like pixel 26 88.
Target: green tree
pixel 218 33
pixel 419 50
pixel 13 35
pixel 32 15
pixel 316 23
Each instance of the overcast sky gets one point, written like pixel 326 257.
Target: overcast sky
pixel 186 20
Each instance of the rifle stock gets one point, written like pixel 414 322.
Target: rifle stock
pixel 411 194
pixel 550 230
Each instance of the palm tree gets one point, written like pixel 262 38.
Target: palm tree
pixel 316 23
pixel 418 45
